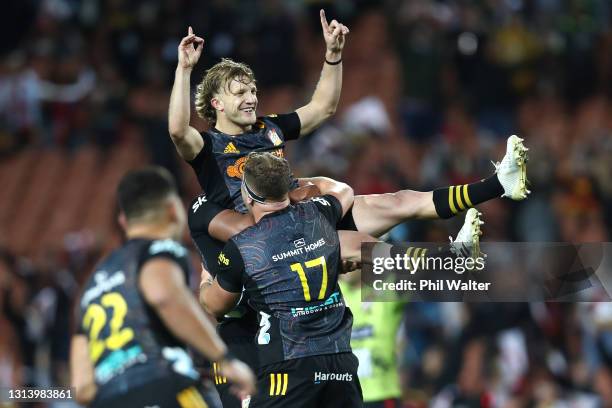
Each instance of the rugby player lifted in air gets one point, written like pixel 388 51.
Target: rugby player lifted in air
pixel 137 313
pixel 227 98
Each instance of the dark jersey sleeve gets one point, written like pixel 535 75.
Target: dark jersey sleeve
pixel 330 207
pixel 168 249
pixel 231 268
pixel 289 124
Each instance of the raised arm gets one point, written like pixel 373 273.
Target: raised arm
pixel 187 140
pixel 327 93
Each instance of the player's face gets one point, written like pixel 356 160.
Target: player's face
pixel 240 102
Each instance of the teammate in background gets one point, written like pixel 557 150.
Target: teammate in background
pixel 373 340
pixel 137 313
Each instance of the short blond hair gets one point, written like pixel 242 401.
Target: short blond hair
pixel 218 76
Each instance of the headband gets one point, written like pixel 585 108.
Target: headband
pixel 253 195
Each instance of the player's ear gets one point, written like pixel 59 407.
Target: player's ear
pixel 173 210
pixel 122 220
pixel 217 104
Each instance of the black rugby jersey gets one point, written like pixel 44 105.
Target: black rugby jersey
pixel 288 264
pixel 129 345
pixel 220 163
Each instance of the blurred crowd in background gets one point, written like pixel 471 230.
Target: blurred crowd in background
pixel 431 90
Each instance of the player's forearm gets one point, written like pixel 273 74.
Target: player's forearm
pixel 327 93
pixel 350 244
pixel 81 370
pixel 179 112
pixel 213 304
pixel 85 393
pixel 192 327
pixel 325 185
pixel 342 191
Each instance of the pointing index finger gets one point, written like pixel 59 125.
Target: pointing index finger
pixel 324 20
pixel 190 31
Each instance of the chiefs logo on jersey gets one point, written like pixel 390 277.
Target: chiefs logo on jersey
pixel 237 169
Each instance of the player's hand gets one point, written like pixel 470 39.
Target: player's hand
pixel 350 266
pixel 304 192
pixel 334 34
pixel 190 49
pixel 241 377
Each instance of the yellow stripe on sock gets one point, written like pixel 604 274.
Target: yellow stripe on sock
pixel 458 197
pixel 272 382
pixel 451 203
pixel 279 383
pixel 466 196
pixel 285 383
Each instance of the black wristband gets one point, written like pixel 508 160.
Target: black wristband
pixel 333 63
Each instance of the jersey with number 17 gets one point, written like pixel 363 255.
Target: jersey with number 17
pixel 288 264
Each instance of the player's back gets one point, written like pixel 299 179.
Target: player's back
pixel 292 259
pixel 129 345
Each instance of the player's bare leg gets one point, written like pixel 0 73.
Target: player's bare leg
pixel 376 214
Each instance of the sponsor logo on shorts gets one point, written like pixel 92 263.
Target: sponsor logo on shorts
pixel 321 200
pixel 319 376
pixel 198 203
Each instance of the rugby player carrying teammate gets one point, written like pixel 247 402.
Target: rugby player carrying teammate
pixel 137 313
pixel 287 264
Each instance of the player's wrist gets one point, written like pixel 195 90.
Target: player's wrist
pixel 226 358
pixel 183 69
pixel 333 57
